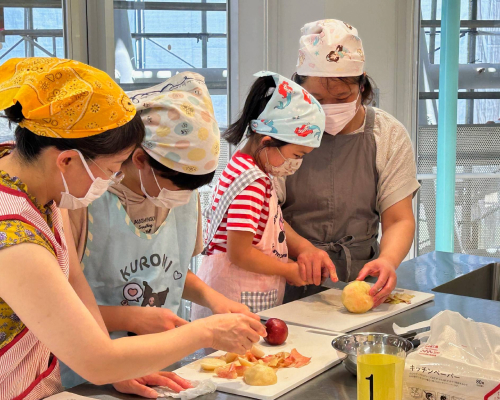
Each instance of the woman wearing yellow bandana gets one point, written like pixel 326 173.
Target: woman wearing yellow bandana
pixel 75 128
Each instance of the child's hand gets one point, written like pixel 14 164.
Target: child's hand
pixel 293 275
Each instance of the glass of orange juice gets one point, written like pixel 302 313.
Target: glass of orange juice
pixel 380 371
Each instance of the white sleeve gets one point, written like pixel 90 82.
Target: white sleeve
pixel 280 187
pixel 397 171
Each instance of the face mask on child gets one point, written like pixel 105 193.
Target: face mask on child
pixel 167 198
pixel 289 166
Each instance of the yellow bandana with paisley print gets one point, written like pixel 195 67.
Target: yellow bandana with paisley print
pixel 63 98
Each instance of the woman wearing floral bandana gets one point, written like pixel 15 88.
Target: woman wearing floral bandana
pixel 362 175
pixel 136 241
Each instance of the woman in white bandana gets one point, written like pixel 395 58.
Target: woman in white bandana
pixel 362 175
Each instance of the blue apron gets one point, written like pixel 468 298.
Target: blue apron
pixel 127 267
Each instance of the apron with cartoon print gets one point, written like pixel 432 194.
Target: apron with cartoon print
pixel 258 291
pixel 126 267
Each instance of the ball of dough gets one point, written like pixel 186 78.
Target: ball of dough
pixel 356 298
pixel 260 375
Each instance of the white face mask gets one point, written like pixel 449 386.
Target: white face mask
pixel 289 166
pixel 167 198
pixel 96 190
pixel 339 115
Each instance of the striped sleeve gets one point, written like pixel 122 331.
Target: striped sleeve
pixel 249 208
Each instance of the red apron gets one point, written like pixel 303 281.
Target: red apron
pixel 27 368
pixel 258 291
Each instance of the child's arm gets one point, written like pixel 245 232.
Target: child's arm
pixel 316 262
pixel 242 253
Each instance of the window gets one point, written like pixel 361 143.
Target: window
pixel 29 29
pixel 477 193
pixel 156 39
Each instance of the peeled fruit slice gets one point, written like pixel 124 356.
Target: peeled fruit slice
pixel 209 364
pixel 356 298
pixel 260 375
pixel 250 357
pixel 230 357
pixel 245 362
pixel 257 351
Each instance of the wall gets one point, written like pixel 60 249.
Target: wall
pixel 269 32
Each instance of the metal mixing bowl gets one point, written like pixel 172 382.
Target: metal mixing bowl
pixel 349 344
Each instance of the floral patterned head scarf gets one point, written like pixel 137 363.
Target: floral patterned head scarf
pixel 181 130
pixel 63 98
pixel 330 48
pixel 291 114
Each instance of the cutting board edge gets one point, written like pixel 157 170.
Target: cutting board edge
pixel 361 325
pixel 286 390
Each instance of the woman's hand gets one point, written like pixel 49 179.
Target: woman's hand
pixel 234 333
pixel 146 320
pixel 316 266
pixel 387 279
pixel 162 378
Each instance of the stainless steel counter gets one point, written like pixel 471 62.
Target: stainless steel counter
pixel 423 274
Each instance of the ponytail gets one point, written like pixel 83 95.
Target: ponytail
pixel 257 99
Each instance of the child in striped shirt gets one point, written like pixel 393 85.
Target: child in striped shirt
pixel 247 240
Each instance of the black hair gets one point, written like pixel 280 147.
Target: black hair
pixel 363 81
pixel 180 179
pixel 30 145
pixel 257 99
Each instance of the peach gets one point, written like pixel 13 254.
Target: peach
pixel 356 297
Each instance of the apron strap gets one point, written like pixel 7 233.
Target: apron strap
pixel 344 244
pixel 216 216
pixel 370 120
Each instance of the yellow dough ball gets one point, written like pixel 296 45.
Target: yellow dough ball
pixel 260 375
pixel 356 298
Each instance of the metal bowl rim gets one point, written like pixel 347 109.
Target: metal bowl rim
pixel 409 343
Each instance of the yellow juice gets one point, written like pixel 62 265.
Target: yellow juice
pixel 380 377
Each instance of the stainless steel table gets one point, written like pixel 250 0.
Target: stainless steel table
pixel 423 274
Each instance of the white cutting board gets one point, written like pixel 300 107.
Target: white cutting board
pixel 316 346
pixel 325 311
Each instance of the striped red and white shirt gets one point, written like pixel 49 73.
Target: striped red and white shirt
pixel 250 209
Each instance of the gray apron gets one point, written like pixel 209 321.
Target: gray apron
pixel 332 199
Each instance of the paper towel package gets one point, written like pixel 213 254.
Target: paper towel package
pixel 459 361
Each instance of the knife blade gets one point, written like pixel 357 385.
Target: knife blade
pixel 326 333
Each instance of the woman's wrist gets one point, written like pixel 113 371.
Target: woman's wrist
pixel 391 260
pixel 202 331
